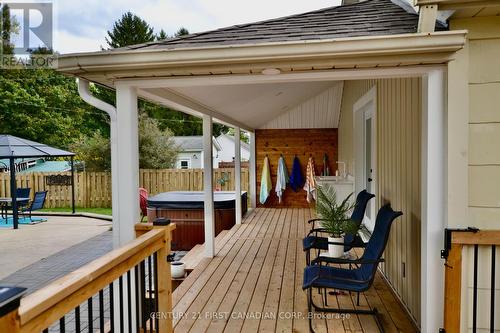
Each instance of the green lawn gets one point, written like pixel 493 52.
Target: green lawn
pixel 101 211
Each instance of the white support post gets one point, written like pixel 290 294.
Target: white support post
pixel 126 181
pixel 433 200
pixel 127 138
pixel 252 170
pixel 208 187
pixel 237 173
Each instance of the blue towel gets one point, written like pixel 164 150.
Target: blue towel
pixel 296 178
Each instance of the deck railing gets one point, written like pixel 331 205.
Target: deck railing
pixel 99 296
pixel 456 241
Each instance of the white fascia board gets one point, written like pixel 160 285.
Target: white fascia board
pixel 448 41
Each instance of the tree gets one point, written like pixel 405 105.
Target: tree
pixel 8 27
pixel 181 32
pixel 94 150
pixel 129 30
pixel 43 105
pixel 162 35
pixel 157 150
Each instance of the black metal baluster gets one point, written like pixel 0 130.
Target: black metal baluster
pixel 137 299
pixel 77 320
pixel 111 307
pixel 101 311
pixel 62 325
pixel 143 294
pixel 492 306
pixel 155 261
pixel 89 314
pixel 150 294
pixel 120 303
pixel 129 302
pixel 474 299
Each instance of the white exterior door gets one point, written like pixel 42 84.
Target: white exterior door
pixel 365 151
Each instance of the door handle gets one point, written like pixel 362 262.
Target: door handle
pixel 370 180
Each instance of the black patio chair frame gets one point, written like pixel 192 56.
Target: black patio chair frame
pixel 372 256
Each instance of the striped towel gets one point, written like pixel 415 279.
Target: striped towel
pixel 310 185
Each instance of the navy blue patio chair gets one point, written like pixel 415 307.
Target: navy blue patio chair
pixel 22 192
pixel 37 204
pixel 322 276
pixel 314 241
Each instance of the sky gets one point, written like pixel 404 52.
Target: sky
pixel 81 26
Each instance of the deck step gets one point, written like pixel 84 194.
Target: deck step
pixel 195 255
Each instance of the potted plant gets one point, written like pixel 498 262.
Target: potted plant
pixel 334 218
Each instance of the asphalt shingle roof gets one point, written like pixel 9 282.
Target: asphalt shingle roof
pixel 367 18
pixel 191 143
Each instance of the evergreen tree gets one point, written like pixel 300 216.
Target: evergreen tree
pixel 8 26
pixel 162 35
pixel 181 32
pixel 129 30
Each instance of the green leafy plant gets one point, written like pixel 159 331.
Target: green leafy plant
pixel 334 216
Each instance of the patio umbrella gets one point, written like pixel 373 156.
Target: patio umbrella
pixel 12 147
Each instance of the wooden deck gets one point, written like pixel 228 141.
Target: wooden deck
pixel 254 284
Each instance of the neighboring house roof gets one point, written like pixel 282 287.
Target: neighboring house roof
pixel 193 143
pixel 230 137
pixel 49 166
pixel 367 18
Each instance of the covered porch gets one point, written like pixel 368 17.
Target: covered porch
pixel 273 81
pixel 253 284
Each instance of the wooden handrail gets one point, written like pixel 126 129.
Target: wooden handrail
pixel 45 306
pixel 480 237
pixel 458 239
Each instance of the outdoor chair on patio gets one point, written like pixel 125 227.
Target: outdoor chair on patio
pixel 37 204
pixel 359 279
pixel 21 204
pixel 143 202
pixel 314 241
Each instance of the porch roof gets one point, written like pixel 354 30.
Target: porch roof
pixel 367 18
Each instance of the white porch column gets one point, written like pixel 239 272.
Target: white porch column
pixel 125 183
pixel 237 173
pixel 433 200
pixel 252 170
pixel 126 213
pixel 208 187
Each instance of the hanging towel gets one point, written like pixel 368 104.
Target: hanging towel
pixel 265 181
pixel 281 178
pixel 296 178
pixel 310 185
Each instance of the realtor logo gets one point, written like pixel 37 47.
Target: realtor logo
pixel 26 26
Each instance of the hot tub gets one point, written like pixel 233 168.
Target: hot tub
pixel 185 209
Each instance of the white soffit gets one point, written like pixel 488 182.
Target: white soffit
pixel 319 111
pixel 251 104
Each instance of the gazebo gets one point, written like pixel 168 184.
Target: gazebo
pixel 12 148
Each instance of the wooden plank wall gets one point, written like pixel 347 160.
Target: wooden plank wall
pixel 399 113
pixel 291 142
pixel 93 189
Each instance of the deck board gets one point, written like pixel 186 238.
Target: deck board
pixel 254 284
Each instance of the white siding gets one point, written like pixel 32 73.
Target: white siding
pixel 227 150
pixel 320 111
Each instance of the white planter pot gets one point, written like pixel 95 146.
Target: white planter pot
pixel 178 269
pixel 335 251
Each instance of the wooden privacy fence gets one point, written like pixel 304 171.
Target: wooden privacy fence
pixel 93 189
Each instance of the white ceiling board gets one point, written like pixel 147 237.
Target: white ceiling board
pixel 253 104
pixel 319 111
